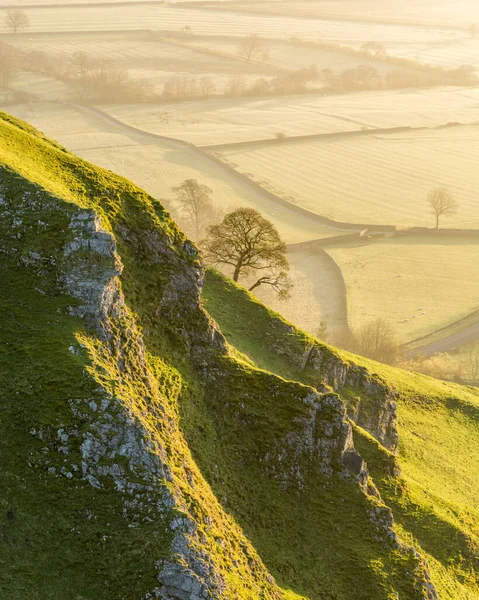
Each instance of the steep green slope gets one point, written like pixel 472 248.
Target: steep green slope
pixel 433 483
pixel 141 457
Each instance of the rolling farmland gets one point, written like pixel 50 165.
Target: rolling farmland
pixel 223 121
pixel 290 55
pixel 418 284
pixel 447 13
pixel 373 178
pixel 135 49
pixel 216 22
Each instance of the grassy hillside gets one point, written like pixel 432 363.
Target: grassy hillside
pixel 433 483
pixel 140 456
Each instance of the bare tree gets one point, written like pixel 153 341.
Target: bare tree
pixel 235 85
pixel 373 49
pixel 207 86
pixel 16 19
pixel 249 244
pixel 322 332
pixel 252 46
pixel 83 62
pixel 7 63
pixel 377 340
pixel 442 203
pixel 195 203
pixel 473 29
pixel 472 353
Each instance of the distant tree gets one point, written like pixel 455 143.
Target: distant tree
pixel 187 30
pixel 249 244
pixel 8 63
pixel 16 19
pixel 442 203
pixel 440 366
pixel 261 86
pixel 472 352
pixel 207 86
pixel 322 332
pixel 473 30
pixel 326 75
pixel 251 46
pixel 83 62
pixel 196 204
pixel 374 49
pixel 377 340
pixel 236 85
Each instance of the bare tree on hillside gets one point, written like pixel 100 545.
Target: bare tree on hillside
pixel 16 19
pixel 442 203
pixel 249 244
pixel 195 203
pixel 377 340
pixel 252 46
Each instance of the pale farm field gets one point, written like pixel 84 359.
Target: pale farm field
pixel 417 284
pixel 293 56
pixel 449 54
pixel 447 13
pixel 224 121
pixel 374 178
pixel 396 38
pixel 134 49
pixel 42 86
pixel 155 166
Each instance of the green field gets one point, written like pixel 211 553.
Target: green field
pixel 380 179
pixel 416 283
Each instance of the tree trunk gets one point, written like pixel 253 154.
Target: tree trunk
pixel 437 221
pixel 237 271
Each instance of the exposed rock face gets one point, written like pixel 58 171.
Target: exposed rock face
pixel 91 272
pixel 375 407
pixel 378 414
pixel 323 434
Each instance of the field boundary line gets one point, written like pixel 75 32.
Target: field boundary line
pixel 313 136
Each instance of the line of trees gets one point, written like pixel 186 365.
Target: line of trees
pixel 93 80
